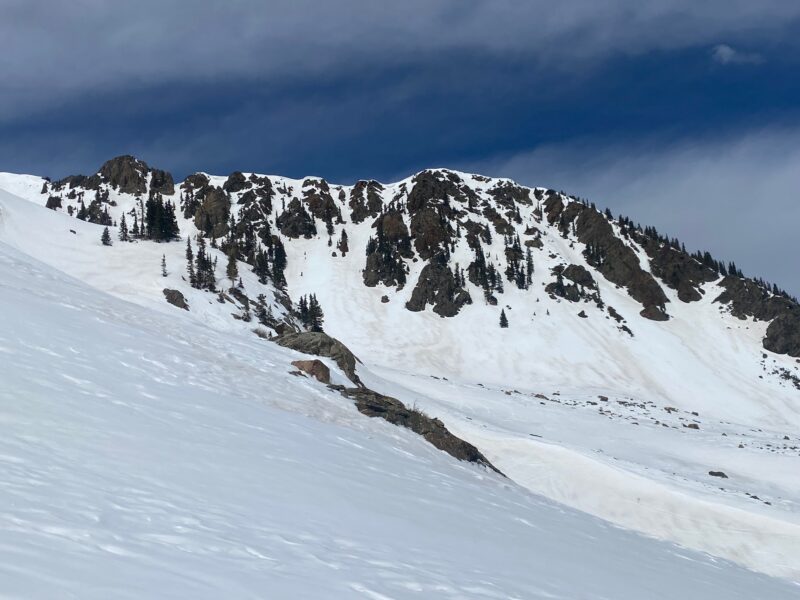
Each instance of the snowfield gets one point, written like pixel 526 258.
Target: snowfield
pixel 147 451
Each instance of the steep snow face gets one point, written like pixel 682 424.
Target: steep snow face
pixel 623 419
pixel 147 455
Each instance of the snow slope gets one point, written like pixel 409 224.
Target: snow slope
pixel 145 454
pixel 529 397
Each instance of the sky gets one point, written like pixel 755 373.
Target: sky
pixel 679 114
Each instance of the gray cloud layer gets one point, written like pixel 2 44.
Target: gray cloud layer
pixel 738 196
pixel 55 52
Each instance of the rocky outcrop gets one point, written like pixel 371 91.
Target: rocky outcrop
pixel 437 187
pixel 365 200
pixel 582 286
pixel 616 261
pixel 295 222
pixel 438 286
pixel 385 251
pixel 433 430
pixel 321 344
pixel 315 368
pixel 431 231
pixel 176 298
pixel 318 199
pixel 678 270
pixel 580 276
pixel 128 175
pixel 212 216
pixel 236 182
pixel 783 334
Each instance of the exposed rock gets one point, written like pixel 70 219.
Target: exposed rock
pixel 718 474
pixel 437 286
pixel 236 182
pixel 317 196
pixel 619 264
pixel 316 368
pixel 433 430
pixel 678 270
pixel 437 188
pixel 509 195
pixel 579 275
pixel 175 298
pixel 430 231
pixel 783 334
pixel 128 175
pixel 748 299
pixel 365 200
pixel 295 222
pixel 212 216
pixel 321 344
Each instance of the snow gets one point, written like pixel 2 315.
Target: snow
pixel 170 451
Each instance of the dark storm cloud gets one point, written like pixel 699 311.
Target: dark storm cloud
pixel 56 51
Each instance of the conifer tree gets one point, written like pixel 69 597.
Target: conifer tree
pixel 164 265
pixel 123 229
pixel 315 315
pixel 503 319
pixel 232 270
pixel 106 237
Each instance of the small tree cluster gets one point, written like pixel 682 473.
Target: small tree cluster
pixel 310 313
pixel 200 267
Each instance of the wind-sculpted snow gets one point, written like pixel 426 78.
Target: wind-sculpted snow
pixel 145 455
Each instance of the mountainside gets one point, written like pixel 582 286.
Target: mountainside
pixel 651 387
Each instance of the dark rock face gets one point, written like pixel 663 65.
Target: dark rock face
pixel 321 344
pixel 611 257
pixel 212 215
pixel 678 270
pixel 501 225
pixel 195 181
pixel 161 182
pixel 295 222
pixel 176 298
pixel 316 368
pixel 783 334
pixel 432 187
pixel 580 276
pixel 583 286
pixel 317 196
pixel 125 174
pixel 430 231
pixel 236 182
pixel 509 195
pixel 748 299
pixel 433 430
pixel 365 200
pixel 385 252
pixel 438 286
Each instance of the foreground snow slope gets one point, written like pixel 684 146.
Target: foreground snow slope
pixel 146 455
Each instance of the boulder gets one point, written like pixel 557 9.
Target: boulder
pixel 321 344
pixel 176 298
pixel 316 368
